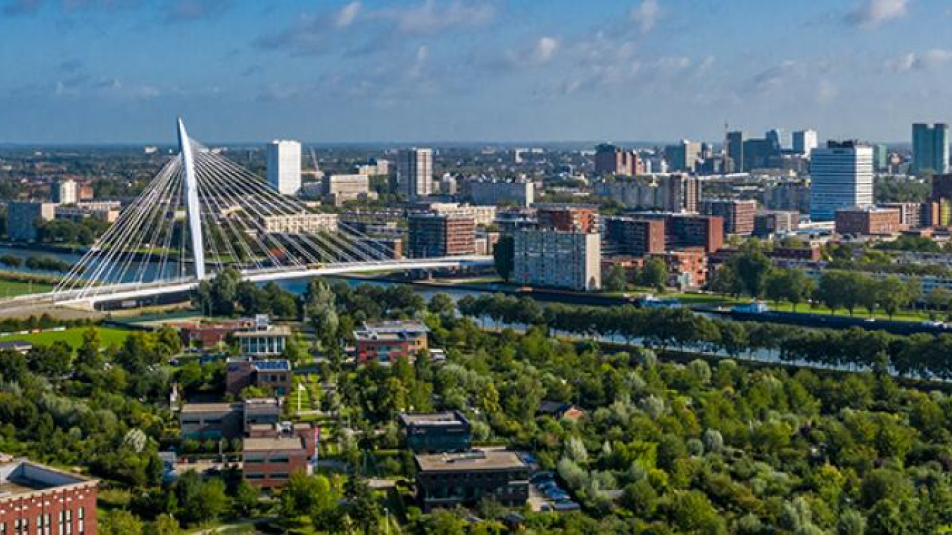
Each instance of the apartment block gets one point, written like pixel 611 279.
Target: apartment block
pixel 558 259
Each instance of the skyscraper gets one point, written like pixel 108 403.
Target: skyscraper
pixel 841 177
pixel 284 166
pixel 683 156
pixel 777 137
pixel 415 172
pixel 804 141
pixel 735 151
pixel 65 192
pixel 930 148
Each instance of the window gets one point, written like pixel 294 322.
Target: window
pixel 279 475
pixel 253 476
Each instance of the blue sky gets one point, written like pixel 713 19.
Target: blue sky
pixel 90 71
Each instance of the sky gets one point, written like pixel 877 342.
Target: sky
pixel 107 71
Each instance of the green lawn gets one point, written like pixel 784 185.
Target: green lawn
pixel 10 288
pixel 72 336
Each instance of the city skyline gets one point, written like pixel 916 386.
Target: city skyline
pixel 106 71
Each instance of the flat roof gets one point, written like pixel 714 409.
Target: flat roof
pixel 268 444
pixel 432 418
pixel 22 476
pixel 189 408
pixel 274 330
pixel 470 460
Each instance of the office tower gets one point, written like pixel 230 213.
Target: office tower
pixel 415 172
pixel 284 166
pixel 735 151
pixel 880 153
pixel 804 141
pixel 930 148
pixel 777 137
pixel 683 156
pixel 437 235
pixel 611 160
pixel 65 192
pixel 841 177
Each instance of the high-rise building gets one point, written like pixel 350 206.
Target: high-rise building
pixel 777 138
pixel 634 236
pixel 65 192
pixel 841 177
pixel 415 172
pixel 611 160
pixel 284 166
pixel 738 214
pixel 683 156
pixel 437 235
pixel 23 216
pixel 880 153
pixel 805 141
pixel 561 259
pixel 735 151
pixel 930 148
pixel 494 192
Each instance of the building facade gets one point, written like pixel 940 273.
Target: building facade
pixel 65 192
pixel 451 479
pixel 930 148
pixel 415 172
pixel 496 192
pixel 389 341
pixel 868 221
pixel 439 432
pixel 434 235
pixel 611 160
pixel 738 214
pixel 39 499
pixel 634 236
pixel 273 376
pixel 567 217
pixel 284 166
pixel 841 177
pixel 776 222
pixel 804 141
pixel 268 462
pixel 545 257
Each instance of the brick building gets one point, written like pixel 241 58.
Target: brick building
pixel 567 217
pixel 686 230
pixel 387 341
pixel 634 236
pixel 687 268
pixel 776 222
pixel 268 462
pixel 435 235
pixel 39 499
pixel 868 221
pixel 738 214
pixel 270 375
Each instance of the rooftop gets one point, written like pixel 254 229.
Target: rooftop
pixel 21 476
pixel 274 330
pixel 470 460
pixel 269 444
pixel 191 408
pixel 432 419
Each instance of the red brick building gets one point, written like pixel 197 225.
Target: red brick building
pixel 687 268
pixel 685 230
pixel 434 235
pixel 738 214
pixel 634 236
pixel 271 375
pixel 388 341
pixel 568 217
pixel 39 499
pixel 268 462
pixel 868 221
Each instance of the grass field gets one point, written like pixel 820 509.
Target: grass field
pixel 11 288
pixel 73 336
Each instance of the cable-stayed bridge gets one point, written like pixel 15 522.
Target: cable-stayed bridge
pixel 203 213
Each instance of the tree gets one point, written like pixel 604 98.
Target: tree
pixel 791 285
pixel 504 256
pixel 891 294
pixel 306 495
pixel 616 280
pixel 939 298
pixel 751 269
pixel 725 281
pixel 442 304
pixel 120 522
pixel 654 274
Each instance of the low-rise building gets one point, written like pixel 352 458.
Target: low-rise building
pixel 776 222
pixel 868 221
pixel 270 340
pixel 226 420
pixel 437 432
pixel 495 192
pixel 482 215
pixel 104 211
pixel 687 268
pixel 270 375
pixel 388 341
pixel 40 499
pixel 302 223
pixel 267 463
pixel 558 259
pixel 451 479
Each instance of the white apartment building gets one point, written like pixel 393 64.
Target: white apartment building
pixel 284 166
pixel 521 193
pixel 558 259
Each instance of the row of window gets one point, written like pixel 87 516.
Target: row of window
pixel 278 475
pixel 44 524
pixel 275 460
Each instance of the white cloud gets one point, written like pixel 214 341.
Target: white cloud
pixel 912 61
pixel 432 16
pixel 545 49
pixel 872 13
pixel 347 14
pixel 646 15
